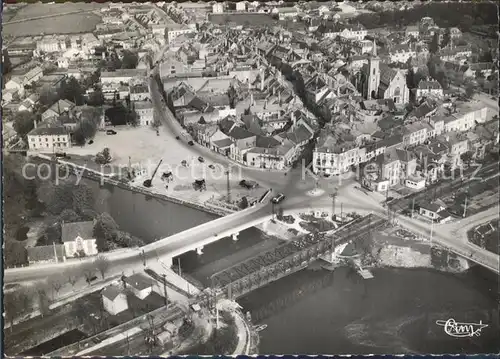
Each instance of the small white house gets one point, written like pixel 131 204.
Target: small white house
pixel 114 300
pixel 78 239
pixel 430 210
pixel 140 285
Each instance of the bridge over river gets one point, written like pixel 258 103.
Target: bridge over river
pixel 289 258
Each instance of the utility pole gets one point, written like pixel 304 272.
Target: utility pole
pixel 165 288
pixel 413 207
pixel 334 194
pixel 143 255
pixel 341 212
pixel 432 229
pixel 465 205
pixel 228 186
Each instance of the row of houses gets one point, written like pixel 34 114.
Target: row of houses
pixel 392 151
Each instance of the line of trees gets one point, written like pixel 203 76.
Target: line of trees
pixel 446 14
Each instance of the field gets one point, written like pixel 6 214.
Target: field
pixel 35 10
pixel 64 24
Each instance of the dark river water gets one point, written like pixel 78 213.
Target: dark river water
pixel 316 311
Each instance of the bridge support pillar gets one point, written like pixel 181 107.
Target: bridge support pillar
pixel 199 250
pixel 235 236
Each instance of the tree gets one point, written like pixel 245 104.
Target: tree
pixel 103 157
pixel 202 121
pixel 68 216
pixel 56 283
pixel 231 93
pixel 466 157
pixel 434 45
pixel 24 122
pixel 244 203
pixel 410 79
pixel 88 272
pixel 446 37
pixel 15 253
pixel 48 97
pixel 71 90
pixel 15 304
pixel 78 136
pixel 469 90
pixel 129 60
pixel 102 264
pixel 96 98
pixel 6 63
pixel 42 290
pixel 56 197
pixel 132 118
pixel 83 198
pixel 71 276
pixel 105 229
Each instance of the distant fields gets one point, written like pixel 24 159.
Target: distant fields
pixel 64 24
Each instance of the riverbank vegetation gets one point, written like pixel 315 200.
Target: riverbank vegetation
pixel 33 200
pixel 223 340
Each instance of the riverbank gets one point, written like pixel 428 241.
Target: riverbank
pixel 392 248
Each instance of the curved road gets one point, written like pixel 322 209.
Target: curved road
pixel 296 188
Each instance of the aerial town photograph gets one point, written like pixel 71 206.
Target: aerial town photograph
pixel 240 178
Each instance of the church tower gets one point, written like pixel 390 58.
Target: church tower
pixel 373 74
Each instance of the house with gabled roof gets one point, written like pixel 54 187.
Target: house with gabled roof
pixel 114 300
pixel 78 239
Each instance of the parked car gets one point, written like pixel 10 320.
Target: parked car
pixel 278 198
pixel 212 167
pixel 110 132
pixel 177 138
pixel 60 154
pixel 201 159
pixel 191 143
pixel 91 142
pixel 248 184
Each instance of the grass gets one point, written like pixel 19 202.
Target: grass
pixel 66 24
pixel 35 10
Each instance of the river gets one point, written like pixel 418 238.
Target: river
pixel 315 311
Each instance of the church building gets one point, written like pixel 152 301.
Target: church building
pixel 382 82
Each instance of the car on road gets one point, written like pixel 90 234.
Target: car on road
pixel 201 159
pixel 191 143
pixel 177 138
pixel 248 184
pixel 278 198
pixel 91 142
pixel 212 167
pixel 110 132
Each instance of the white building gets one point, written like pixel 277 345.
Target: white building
pixel 145 112
pixel 218 8
pixel 139 93
pixel 241 6
pixel 122 76
pixel 140 285
pixel 78 239
pixel 285 13
pixel 428 88
pixel 174 30
pixel 49 138
pixel 114 300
